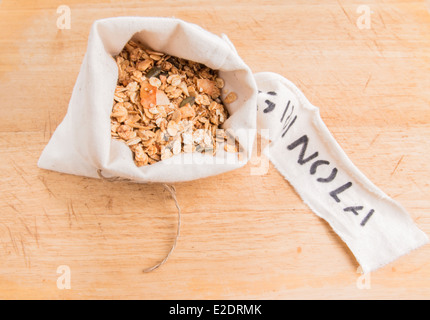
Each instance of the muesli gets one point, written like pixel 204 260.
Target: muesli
pixel 165 105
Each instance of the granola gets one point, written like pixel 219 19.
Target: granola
pixel 165 105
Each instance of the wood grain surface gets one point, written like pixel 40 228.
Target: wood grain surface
pixel 243 236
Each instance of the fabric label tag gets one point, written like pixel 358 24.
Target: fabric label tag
pixel 376 228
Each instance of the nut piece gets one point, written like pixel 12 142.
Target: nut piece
pixel 209 87
pixel 161 98
pixel 143 65
pixel 219 83
pixel 187 111
pixel 148 95
pixel 177 116
pixel 231 97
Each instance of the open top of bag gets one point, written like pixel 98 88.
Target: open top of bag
pixel 82 143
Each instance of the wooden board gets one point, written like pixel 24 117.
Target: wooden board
pixel 242 236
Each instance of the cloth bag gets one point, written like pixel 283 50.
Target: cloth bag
pixel 375 228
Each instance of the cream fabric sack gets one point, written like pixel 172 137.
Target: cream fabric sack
pixel 82 143
pixel 377 229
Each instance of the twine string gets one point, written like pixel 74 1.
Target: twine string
pixel 172 191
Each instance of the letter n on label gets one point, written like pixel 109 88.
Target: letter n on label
pixel 303 141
